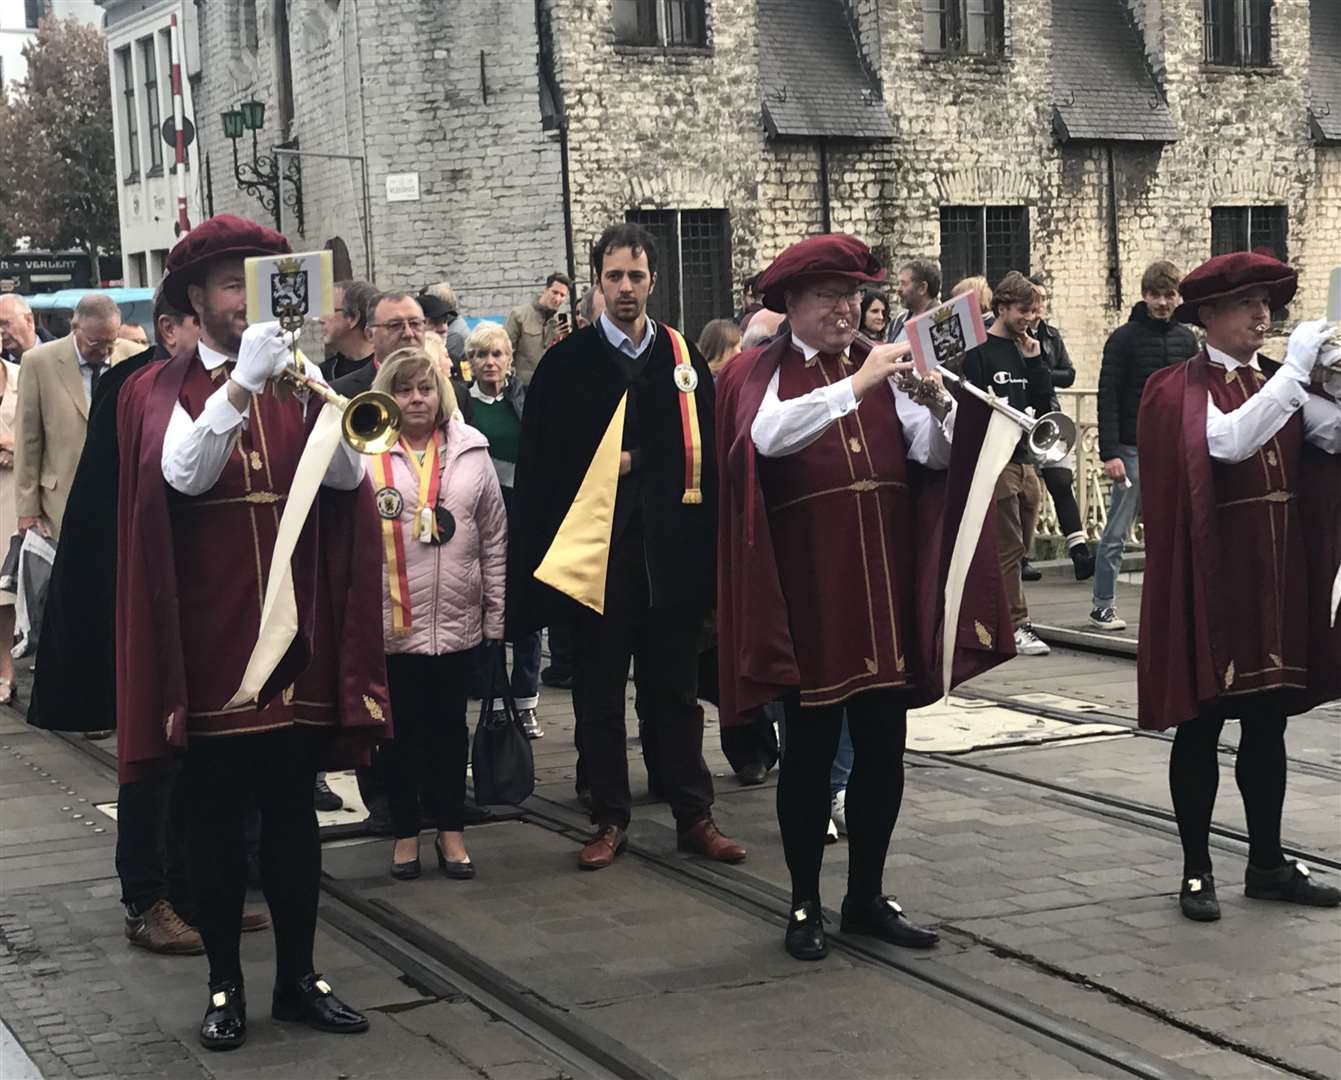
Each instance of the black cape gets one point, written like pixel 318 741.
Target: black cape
pixel 74 686
pixel 569 404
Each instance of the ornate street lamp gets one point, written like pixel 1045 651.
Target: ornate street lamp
pixel 262 178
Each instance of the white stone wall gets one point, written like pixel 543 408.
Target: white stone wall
pixel 682 129
pixel 399 83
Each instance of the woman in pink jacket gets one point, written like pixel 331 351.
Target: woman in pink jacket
pixel 444 543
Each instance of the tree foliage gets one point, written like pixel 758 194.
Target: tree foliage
pixel 56 143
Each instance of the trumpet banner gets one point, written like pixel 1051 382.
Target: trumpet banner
pixel 279 610
pixel 998 444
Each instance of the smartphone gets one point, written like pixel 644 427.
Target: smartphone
pixel 563 320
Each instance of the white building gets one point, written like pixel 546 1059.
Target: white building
pixel 18 26
pixel 139 54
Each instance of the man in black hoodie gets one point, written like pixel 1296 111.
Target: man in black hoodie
pixel 1148 341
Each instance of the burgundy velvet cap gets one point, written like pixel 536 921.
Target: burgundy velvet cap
pixel 1223 276
pixel 224 235
pixel 817 256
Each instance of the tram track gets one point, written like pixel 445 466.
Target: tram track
pixel 443 969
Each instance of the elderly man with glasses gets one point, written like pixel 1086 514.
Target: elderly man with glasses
pixel 56 385
pixel 396 321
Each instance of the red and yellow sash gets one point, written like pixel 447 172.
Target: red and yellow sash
pixel 424 527
pixel 693 439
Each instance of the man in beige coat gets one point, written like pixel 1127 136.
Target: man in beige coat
pixel 56 384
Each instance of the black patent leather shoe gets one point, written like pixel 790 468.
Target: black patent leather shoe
pixel 1291 883
pixel 1197 898
pixel 225 1023
pixel 311 1001
pixel 805 932
pixel 883 918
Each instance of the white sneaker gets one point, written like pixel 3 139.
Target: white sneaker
pixel 1106 619
pixel 831 837
pixel 838 812
pixel 1028 643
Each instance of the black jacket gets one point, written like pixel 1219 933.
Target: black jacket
pixel 569 404
pixel 1135 351
pixel 74 680
pixel 361 379
pixel 1058 358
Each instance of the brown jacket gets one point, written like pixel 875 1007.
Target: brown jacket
pixel 52 422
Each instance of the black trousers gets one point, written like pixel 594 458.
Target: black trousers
pixel 1259 769
pixel 878 723
pixel 665 645
pixel 151 843
pixel 225 777
pixel 426 761
pixel 1061 486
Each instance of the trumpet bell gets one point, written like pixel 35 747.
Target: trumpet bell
pixel 371 422
pixel 1052 437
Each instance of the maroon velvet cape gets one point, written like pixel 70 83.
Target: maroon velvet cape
pixel 755 651
pixel 339 550
pixel 1187 601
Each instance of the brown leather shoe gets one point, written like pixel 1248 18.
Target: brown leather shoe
pixel 602 848
pixel 160 929
pixel 255 919
pixel 707 840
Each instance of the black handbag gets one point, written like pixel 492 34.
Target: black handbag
pixel 502 764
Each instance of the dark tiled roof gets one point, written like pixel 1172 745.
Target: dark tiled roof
pixel 1325 53
pixel 811 73
pixel 1103 88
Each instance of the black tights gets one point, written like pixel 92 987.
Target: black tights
pixel 1194 775
pixel 1060 483
pixel 878 723
pixel 227 776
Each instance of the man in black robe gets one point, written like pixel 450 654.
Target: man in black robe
pixel 615 527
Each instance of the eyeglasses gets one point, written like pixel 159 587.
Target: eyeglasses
pixel 833 298
pixel 399 326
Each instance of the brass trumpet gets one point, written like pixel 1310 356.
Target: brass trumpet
pixel 369 422
pixel 1051 436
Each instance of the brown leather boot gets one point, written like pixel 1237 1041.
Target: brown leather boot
pixel 254 919
pixel 601 849
pixel 707 840
pixel 160 929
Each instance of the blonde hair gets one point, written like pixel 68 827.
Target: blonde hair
pixel 437 352
pixel 410 363
pixel 979 287
pixel 486 337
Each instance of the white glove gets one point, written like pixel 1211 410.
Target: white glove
pixel 263 355
pixel 1332 384
pixel 1301 355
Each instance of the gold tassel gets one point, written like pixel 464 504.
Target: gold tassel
pixel 692 497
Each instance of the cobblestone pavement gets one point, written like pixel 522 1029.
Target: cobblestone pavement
pixel 1041 896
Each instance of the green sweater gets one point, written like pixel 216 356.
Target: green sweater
pixel 502 427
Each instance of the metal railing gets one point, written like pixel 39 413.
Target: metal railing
pixel 1091 485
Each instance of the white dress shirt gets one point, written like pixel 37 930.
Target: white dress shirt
pixel 784 427
pixel 622 341
pixel 1237 435
pixel 196 451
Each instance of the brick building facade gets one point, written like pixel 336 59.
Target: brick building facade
pixel 1076 138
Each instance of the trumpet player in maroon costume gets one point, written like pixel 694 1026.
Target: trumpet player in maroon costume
pixel 834 504
pixel 1241 485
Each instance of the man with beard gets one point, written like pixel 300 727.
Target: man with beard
pixel 615 515
pixel 208 454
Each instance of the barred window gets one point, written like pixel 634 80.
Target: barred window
pixel 1237 33
pixel 660 22
pixel 983 240
pixel 1247 228
pixel 967 27
pixel 694 272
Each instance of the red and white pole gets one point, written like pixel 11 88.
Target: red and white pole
pixel 179 123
